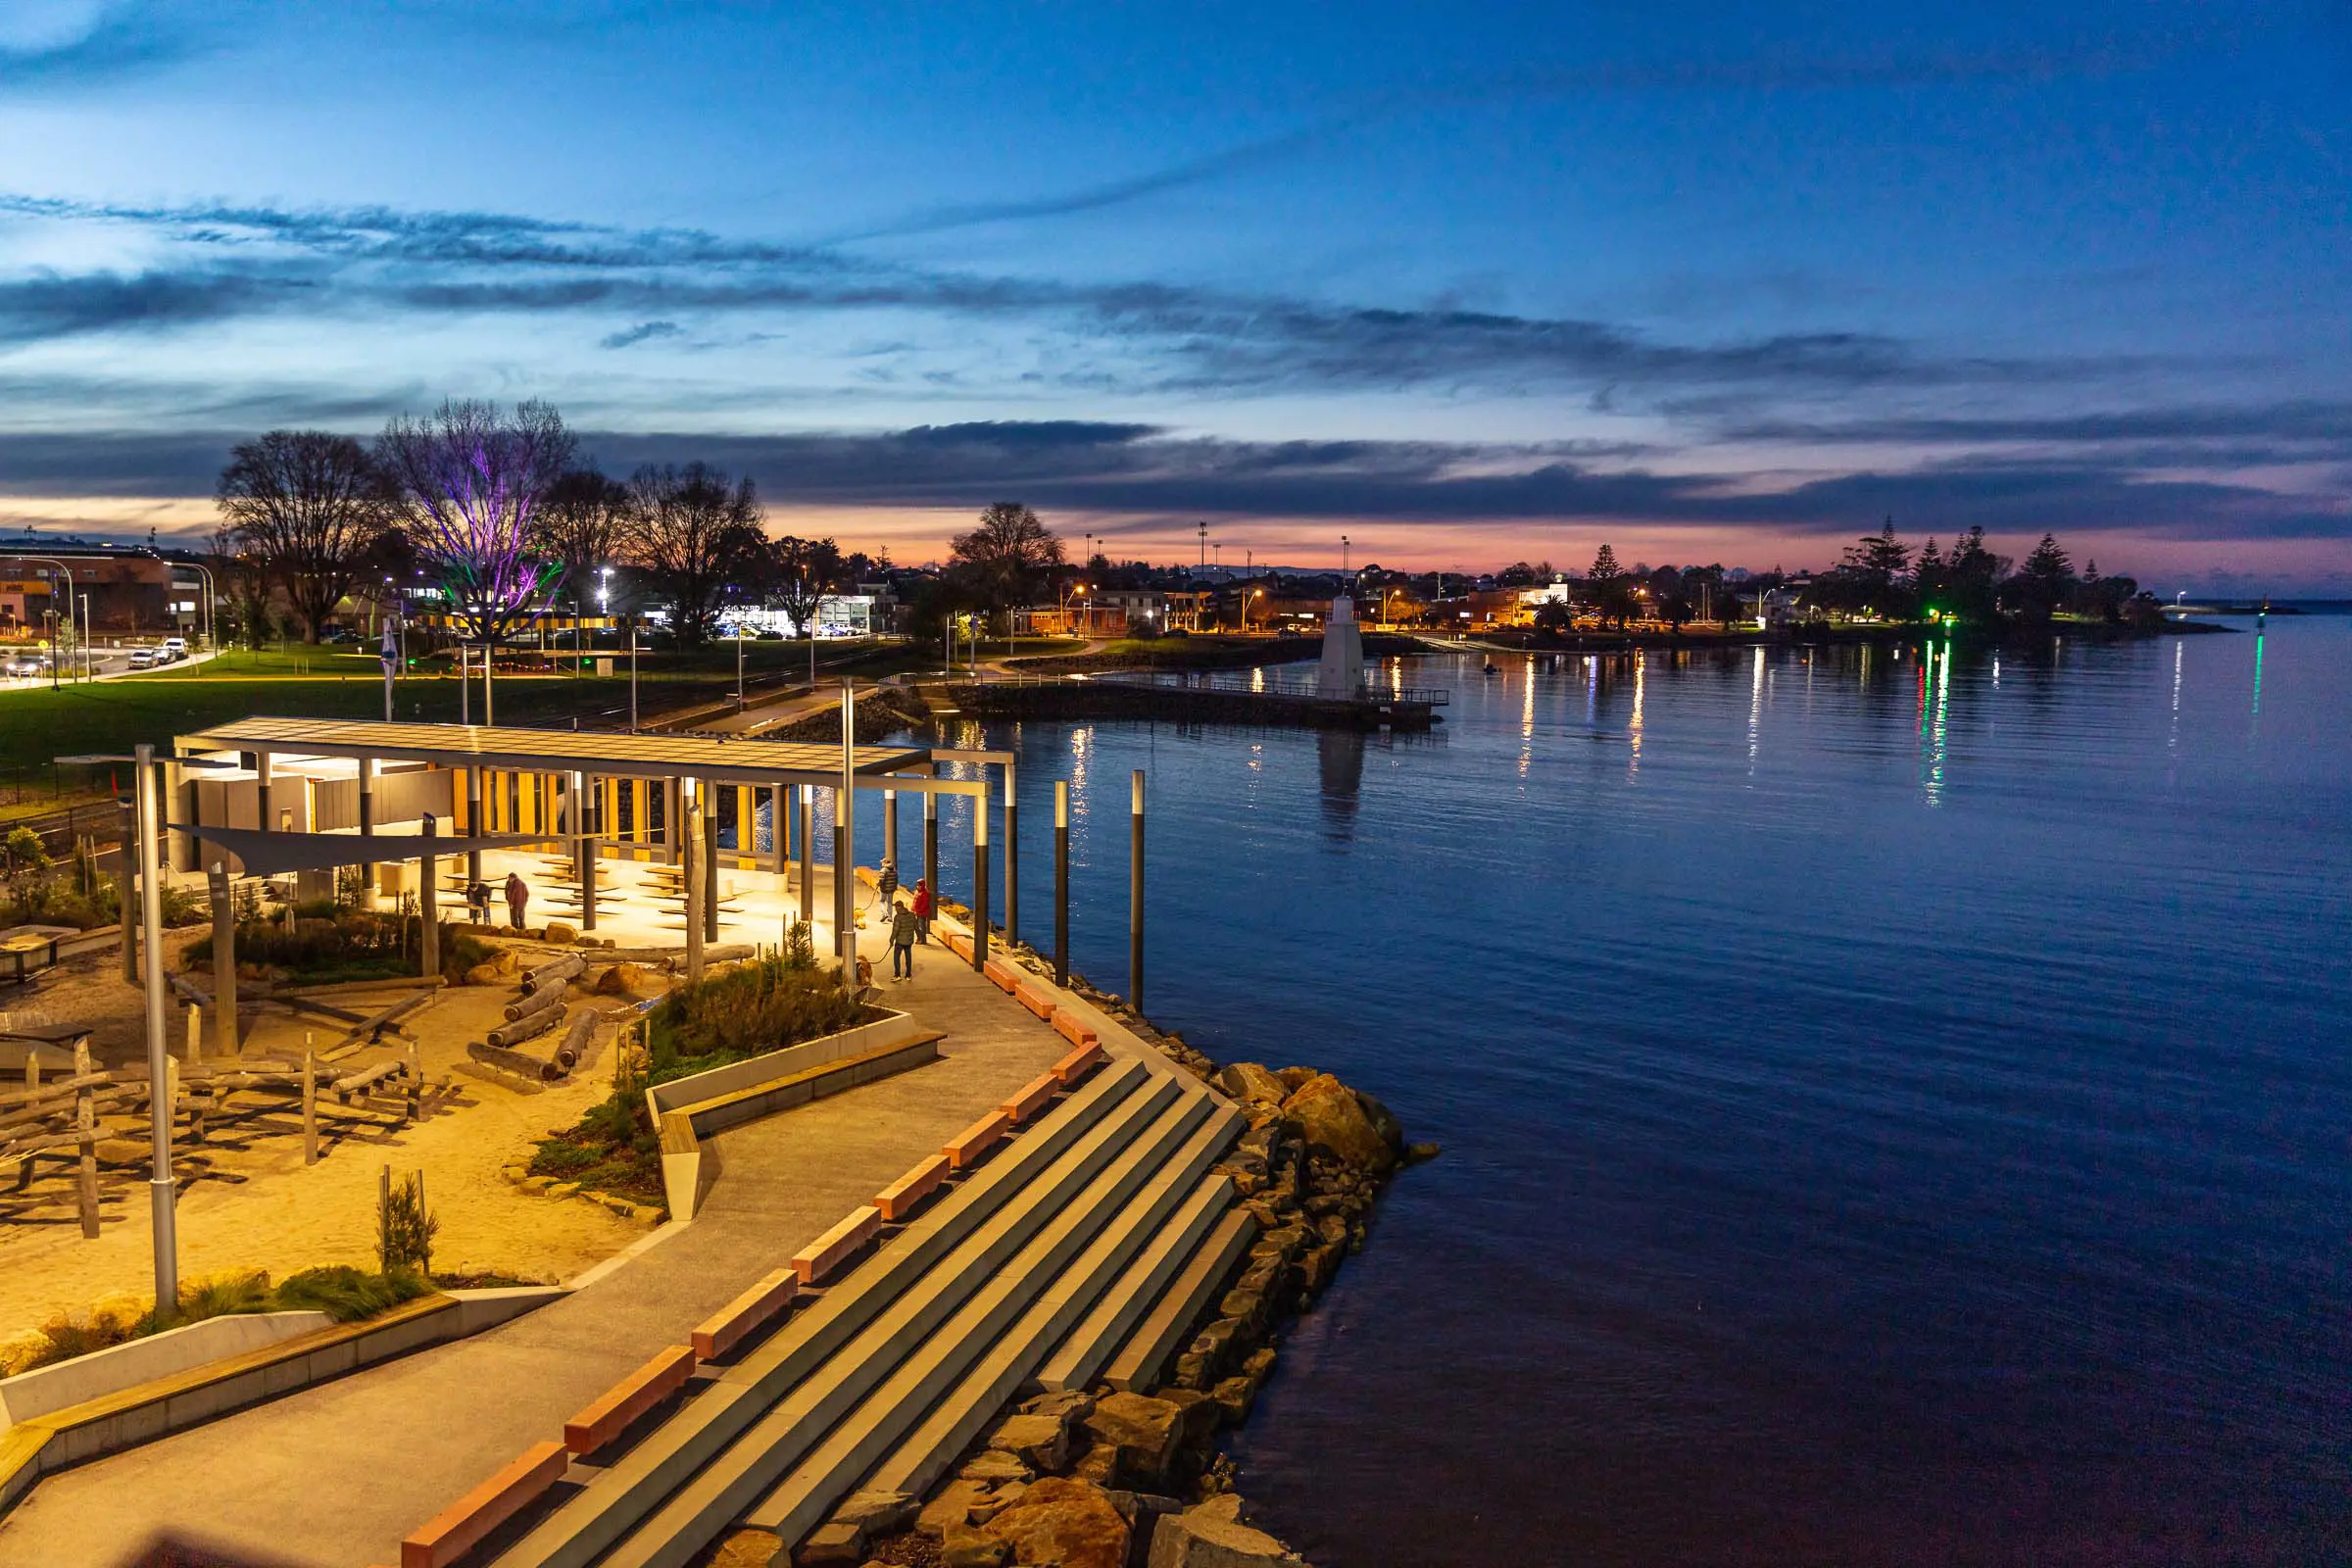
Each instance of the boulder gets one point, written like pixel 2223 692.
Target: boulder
pixel 562 933
pixel 1384 1122
pixel 482 974
pixel 1296 1077
pixel 1067 1404
pixel 1065 1522
pixel 1248 1082
pixel 507 963
pixel 621 980
pixel 951 1509
pixel 1332 1121
pixel 1039 1442
pixel 1212 1536
pixel 746 1548
pixel 831 1543
pixel 966 1547
pixel 1143 1432
pixel 877 1513
pixel 991 1467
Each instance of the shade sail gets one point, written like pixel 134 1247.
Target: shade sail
pixel 269 853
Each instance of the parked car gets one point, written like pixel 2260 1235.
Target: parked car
pixel 23 667
pixel 174 649
pixel 142 659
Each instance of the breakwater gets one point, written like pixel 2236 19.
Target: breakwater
pixel 1181 704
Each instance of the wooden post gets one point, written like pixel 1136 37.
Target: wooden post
pixel 309 1101
pixel 127 882
pixel 690 883
pixel 225 1042
pixel 85 1123
pixel 367 830
pixel 1061 882
pixel 1013 860
pixel 429 905
pixel 707 804
pixel 473 824
pixel 416 1083
pixel 195 1047
pixel 1135 895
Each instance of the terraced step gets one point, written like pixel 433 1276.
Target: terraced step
pixel 954 1237
pixel 1075 1363
pixel 1140 1361
pixel 925 1454
pixel 986 1329
pixel 733 1481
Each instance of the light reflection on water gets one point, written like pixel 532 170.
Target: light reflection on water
pixel 1900 1120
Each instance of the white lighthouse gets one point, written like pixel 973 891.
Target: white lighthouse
pixel 1342 674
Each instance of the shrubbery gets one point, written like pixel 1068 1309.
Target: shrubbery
pixel 346 944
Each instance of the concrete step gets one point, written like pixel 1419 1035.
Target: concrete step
pixel 967 1410
pixel 800 1501
pixel 733 1481
pixel 1141 1360
pixel 616 1501
pixel 1088 1348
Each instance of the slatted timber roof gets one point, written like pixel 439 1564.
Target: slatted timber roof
pixel 558 751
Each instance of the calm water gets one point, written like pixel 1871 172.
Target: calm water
pixel 1894 1112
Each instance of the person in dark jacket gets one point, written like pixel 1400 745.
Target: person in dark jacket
pixel 904 929
pixel 519 894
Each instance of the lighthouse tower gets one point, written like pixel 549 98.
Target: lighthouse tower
pixel 1342 674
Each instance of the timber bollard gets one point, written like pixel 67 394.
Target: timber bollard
pixel 309 1101
pixel 85 1126
pixel 1135 895
pixel 127 884
pixel 1061 883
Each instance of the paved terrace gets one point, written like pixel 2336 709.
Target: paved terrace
pixel 333 1477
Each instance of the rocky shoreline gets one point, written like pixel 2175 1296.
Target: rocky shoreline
pixel 1110 1479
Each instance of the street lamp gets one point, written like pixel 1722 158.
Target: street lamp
pixel 160 1182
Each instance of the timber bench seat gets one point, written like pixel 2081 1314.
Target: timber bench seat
pixel 463 1524
pixel 1003 976
pixel 1043 1007
pixel 964 1150
pixel 618 1407
pixel 1067 1025
pixel 1072 1069
pixel 1032 1097
pixel 735 1322
pixel 830 1250
pixel 902 1196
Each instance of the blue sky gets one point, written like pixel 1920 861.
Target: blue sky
pixel 1467 282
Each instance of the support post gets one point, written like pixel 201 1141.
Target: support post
pixel 1061 882
pixel 309 1101
pixel 85 1124
pixel 1135 895
pixel 809 856
pixel 591 846
pixel 367 830
pixel 429 905
pixel 845 834
pixel 575 822
pixel 161 1190
pixel 779 828
pixel 890 824
pixel 931 839
pixel 690 882
pixel 264 820
pixel 1013 860
pixel 709 850
pixel 225 1039
pixel 980 878
pixel 473 824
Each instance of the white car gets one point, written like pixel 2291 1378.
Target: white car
pixel 23 667
pixel 174 650
pixel 143 659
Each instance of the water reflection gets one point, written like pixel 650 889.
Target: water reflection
pixel 1340 756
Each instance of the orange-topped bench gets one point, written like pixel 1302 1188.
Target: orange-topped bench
pixel 1079 1063
pixel 902 1196
pixel 828 1251
pixel 463 1524
pixel 964 1150
pixel 610 1416
pixel 1043 1006
pixel 1067 1025
pixel 957 944
pixel 1003 975
pixel 1034 1097
pixel 732 1323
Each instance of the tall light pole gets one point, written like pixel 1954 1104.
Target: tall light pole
pixel 1204 547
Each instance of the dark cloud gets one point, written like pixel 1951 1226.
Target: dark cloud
pixel 49 304
pixel 127 41
pixel 2278 423
pixel 643 331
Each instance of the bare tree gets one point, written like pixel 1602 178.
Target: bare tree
pixel 801 573
pixel 304 506
pixel 470 480
pixel 579 525
pixel 694 537
pixel 1008 557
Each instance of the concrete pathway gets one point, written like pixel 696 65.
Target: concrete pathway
pixel 335 1476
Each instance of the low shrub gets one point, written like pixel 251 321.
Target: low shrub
pixel 349 1294
pixel 345 1294
pixel 346 945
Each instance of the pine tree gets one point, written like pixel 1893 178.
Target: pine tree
pixel 2048 565
pixel 1878 556
pixel 1605 566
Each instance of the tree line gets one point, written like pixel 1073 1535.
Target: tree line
pixel 499 511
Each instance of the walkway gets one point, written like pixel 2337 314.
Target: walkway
pixel 335 1476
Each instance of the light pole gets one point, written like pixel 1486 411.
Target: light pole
pixel 632 675
pixel 89 669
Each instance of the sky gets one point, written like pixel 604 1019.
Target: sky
pixel 1465 284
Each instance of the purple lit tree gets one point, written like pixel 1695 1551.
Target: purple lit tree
pixel 469 479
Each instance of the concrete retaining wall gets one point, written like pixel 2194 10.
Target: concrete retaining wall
pixel 158 1356
pixel 735 1077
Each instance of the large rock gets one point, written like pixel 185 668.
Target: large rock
pixel 746 1548
pixel 1332 1121
pixel 621 980
pixel 1248 1082
pixel 1142 1431
pixel 1063 1523
pixel 951 1509
pixel 1212 1536
pixel 1039 1442
pixel 966 1548
pixel 561 933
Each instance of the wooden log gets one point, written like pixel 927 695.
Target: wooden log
pixel 538 1023
pixel 576 1042
pixel 85 1123
pixel 310 1108
pixel 559 972
pixel 531 1001
pixel 368 1077
pixel 189 990
pixel 376 1023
